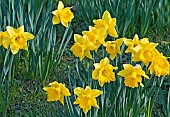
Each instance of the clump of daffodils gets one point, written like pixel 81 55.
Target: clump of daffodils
pixel 16 39
pixel 97 35
pixel 141 50
pixel 146 52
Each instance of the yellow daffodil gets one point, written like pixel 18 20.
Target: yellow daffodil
pixel 133 43
pixel 107 22
pixel 56 92
pixel 160 66
pixel 145 52
pixel 86 98
pixel 4 39
pixel 96 36
pixel 113 47
pixel 82 47
pixel 63 15
pixel 18 38
pixel 104 72
pixel 132 75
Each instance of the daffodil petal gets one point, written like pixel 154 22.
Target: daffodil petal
pixel 60 5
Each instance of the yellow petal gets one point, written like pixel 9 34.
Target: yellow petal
pixel 102 31
pixel 12 31
pixel 60 5
pixel 78 91
pixel 112 32
pixel 28 36
pixel 104 61
pixel 87 90
pixel 52 94
pixel 64 23
pixel 106 17
pixel 144 40
pixel 78 50
pixel 14 49
pixel 55 20
pixel 96 93
pixel 20 30
pixel 87 54
pixel 64 90
pixel 135 38
pixel 101 83
pixel 6 42
pixel 54 84
pixel 119 42
pixel 62 99
pixel 113 55
pixel 78 38
pixel 95 74
pixel 141 84
pixel 124 73
pixel 94 103
pixel 113 22
pixel 25 46
pixel 128 42
pixel 127 66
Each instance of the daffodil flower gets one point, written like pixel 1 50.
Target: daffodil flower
pixel 56 91
pixel 4 39
pixel 134 43
pixel 113 47
pixel 145 52
pixel 104 72
pixel 160 66
pixel 63 15
pixel 86 98
pixel 108 22
pixel 82 47
pixel 96 36
pixel 18 38
pixel 132 75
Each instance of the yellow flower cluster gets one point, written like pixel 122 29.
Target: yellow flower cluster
pixel 142 50
pixel 145 51
pixel 95 37
pixel 15 38
pixel 86 97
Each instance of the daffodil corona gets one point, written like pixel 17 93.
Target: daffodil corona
pixel 104 72
pixel 63 15
pixel 132 75
pixel 86 98
pixel 56 92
